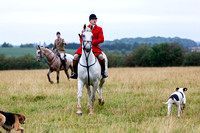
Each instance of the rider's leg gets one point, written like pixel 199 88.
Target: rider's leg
pixel 75 65
pixel 62 55
pixel 102 63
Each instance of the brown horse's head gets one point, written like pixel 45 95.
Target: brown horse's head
pixel 39 54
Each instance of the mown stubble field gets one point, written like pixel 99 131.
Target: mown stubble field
pixel 133 101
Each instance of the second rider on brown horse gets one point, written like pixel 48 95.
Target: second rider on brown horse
pixel 59 44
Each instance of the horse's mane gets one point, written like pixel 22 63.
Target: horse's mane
pixel 45 49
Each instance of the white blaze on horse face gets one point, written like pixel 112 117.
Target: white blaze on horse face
pixel 87 39
pixel 38 52
pixel 87 36
pixel 38 55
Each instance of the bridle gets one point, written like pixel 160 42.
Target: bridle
pixel 84 43
pixel 87 56
pixel 41 56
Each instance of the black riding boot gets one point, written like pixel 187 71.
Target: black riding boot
pixel 74 74
pixel 102 63
pixel 64 65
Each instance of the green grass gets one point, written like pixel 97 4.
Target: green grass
pixel 133 101
pixel 21 51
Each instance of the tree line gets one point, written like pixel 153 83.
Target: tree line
pixel 159 55
pixel 124 43
pixel 27 61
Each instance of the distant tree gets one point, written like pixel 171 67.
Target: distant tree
pixel 28 45
pixel 175 54
pixel 26 61
pixel 115 60
pixel 50 45
pixel 158 55
pixel 138 57
pixel 192 59
pixel 165 54
pixel 2 61
pixel 73 46
pixel 6 45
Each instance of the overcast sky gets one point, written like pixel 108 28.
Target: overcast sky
pixel 29 21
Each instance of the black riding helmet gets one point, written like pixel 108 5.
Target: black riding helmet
pixel 92 16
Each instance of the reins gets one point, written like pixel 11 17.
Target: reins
pixel 87 65
pixel 52 60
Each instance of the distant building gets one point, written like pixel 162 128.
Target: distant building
pixel 195 49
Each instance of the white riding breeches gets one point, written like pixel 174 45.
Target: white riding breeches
pixel 62 56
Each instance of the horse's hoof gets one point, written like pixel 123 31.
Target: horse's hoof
pixel 101 102
pixel 51 82
pixel 79 114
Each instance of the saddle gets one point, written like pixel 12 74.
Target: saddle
pixel 63 62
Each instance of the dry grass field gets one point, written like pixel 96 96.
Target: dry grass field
pixel 133 101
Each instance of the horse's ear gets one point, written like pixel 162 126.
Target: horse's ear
pixel 177 89
pixel 184 89
pixel 91 27
pixel 84 27
pixel 80 36
pixel 38 47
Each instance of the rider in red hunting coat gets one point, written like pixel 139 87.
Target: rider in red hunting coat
pixel 97 39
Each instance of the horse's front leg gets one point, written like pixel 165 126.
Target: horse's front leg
pixel 48 75
pixel 80 89
pixel 101 101
pixel 58 73
pixel 95 86
pixel 89 96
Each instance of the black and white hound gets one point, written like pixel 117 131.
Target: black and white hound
pixel 178 98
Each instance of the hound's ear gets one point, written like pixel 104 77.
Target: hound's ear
pixel 91 27
pixel 38 47
pixel 184 89
pixel 84 27
pixel 177 89
pixel 23 117
pixel 19 117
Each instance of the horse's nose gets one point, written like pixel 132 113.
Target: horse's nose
pixel 87 48
pixel 38 60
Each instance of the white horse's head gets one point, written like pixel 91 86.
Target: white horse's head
pixel 87 38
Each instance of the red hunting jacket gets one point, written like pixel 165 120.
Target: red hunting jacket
pixel 97 39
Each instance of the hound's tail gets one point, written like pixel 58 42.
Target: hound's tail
pixel 167 101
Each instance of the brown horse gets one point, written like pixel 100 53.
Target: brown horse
pixel 54 62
